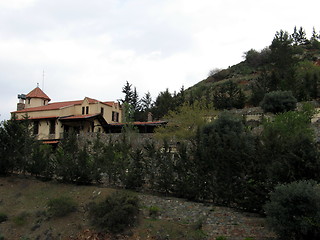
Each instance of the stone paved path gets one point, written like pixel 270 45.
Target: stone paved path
pixel 217 221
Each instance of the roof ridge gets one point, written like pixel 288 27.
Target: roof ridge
pixel 37 93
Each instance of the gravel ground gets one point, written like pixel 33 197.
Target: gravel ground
pixel 216 221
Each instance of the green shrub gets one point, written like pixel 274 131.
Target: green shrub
pixel 3 217
pixel 62 206
pixel 278 101
pixel 293 211
pixel 1 237
pixel 154 211
pixel 21 219
pixel 221 238
pixel 118 212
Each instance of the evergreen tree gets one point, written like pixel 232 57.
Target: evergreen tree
pixel 146 102
pixel 163 104
pixel 283 61
pixel 228 95
pixel 289 148
pixel 17 143
pixel 127 90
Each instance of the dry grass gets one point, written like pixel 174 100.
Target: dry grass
pixel 24 201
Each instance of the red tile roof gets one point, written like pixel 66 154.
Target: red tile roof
pixel 60 105
pixel 79 117
pixel 140 123
pixel 50 142
pixel 38 118
pixel 50 106
pixel 37 93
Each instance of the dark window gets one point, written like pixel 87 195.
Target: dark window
pixel 29 100
pixel 87 110
pixel 82 110
pixel 52 129
pixel 102 110
pixel 115 116
pixel 36 127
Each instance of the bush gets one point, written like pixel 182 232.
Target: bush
pixel 278 101
pixel 221 238
pixel 154 211
pixel 294 211
pixel 60 207
pixel 3 217
pixel 118 212
pixel 21 219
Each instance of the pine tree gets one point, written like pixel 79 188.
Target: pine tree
pixel 146 102
pixel 128 93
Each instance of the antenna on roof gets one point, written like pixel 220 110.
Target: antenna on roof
pixel 43 80
pixel 37 84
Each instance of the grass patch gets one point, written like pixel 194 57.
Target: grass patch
pixel 21 219
pixel 164 229
pixel 60 207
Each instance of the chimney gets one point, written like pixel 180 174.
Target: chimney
pixel 21 105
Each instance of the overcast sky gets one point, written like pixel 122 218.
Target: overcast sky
pixel 91 48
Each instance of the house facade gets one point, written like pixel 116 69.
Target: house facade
pixel 51 120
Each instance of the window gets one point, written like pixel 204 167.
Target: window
pixel 29 100
pixel 82 110
pixel 115 116
pixel 102 110
pixel 87 110
pixel 36 127
pixel 52 129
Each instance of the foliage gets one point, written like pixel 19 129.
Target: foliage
pixel 293 211
pixel 3 217
pixel 62 206
pixel 163 104
pixel 164 169
pixel 21 218
pixel 309 76
pixel 278 101
pixel 289 144
pixel 74 163
pixel 257 59
pixel 134 176
pixel 228 95
pixel 16 145
pixel 154 211
pixel 228 149
pixel 184 122
pixel 118 212
pixel 221 238
pixel 41 163
pixel 213 71
pixel 260 86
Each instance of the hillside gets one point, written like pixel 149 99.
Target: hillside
pixel 24 201
pixel 290 63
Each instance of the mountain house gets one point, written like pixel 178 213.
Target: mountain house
pixel 51 121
